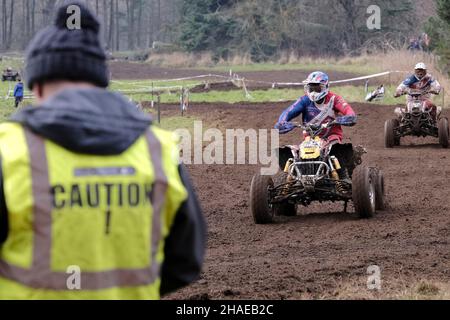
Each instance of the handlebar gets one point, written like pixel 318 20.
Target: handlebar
pixel 413 93
pixel 314 129
pixel 417 93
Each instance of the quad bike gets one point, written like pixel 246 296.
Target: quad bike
pixel 310 173
pixel 416 121
pixel 10 75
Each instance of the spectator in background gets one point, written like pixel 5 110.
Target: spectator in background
pixel 425 41
pixel 414 44
pixel 18 93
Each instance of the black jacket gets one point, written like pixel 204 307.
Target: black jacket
pixel 99 122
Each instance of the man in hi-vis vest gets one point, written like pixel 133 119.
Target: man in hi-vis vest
pixel 93 201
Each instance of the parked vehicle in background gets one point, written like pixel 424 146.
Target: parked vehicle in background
pixel 10 75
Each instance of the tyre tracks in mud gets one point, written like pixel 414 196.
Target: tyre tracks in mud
pixel 322 252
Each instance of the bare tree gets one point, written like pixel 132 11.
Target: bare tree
pixel 111 26
pixel 11 18
pixel 159 19
pixel 139 29
pixel 4 23
pixel 33 15
pixel 151 24
pixel 47 11
pixel 126 24
pixel 131 5
pixel 117 26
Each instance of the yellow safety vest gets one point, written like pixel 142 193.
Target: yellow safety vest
pixel 85 226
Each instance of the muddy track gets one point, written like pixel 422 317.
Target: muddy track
pixel 141 71
pixel 323 253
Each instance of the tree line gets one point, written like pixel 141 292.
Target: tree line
pixel 438 27
pixel 126 24
pixel 313 27
pixel 260 28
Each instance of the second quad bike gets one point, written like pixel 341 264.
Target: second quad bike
pixel 416 120
pixel 10 75
pixel 310 173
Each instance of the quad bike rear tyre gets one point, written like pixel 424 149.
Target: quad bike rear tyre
pixel 283 209
pixel 364 192
pixel 443 132
pixel 390 140
pixel 380 194
pixel 260 207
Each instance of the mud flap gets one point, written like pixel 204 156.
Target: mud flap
pixel 345 154
pixel 284 155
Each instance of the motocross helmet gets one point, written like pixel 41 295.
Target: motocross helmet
pixel 317 86
pixel 420 71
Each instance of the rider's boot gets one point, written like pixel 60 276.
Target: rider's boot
pixel 343 175
pixel 434 114
pixel 344 181
pixel 433 110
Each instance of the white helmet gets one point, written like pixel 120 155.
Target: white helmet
pixel 420 66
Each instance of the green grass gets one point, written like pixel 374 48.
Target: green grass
pixel 14 61
pixel 7 106
pixel 148 84
pixel 6 110
pixel 350 93
pixel 173 123
pixel 349 68
pixel 357 94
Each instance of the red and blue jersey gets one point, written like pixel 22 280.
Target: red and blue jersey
pixel 413 83
pixel 334 108
pixel 427 83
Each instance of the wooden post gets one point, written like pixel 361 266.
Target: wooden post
pixel 182 102
pixel 159 109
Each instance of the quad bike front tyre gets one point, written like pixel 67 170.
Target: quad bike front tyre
pixel 380 194
pixel 443 132
pixel 260 207
pixel 364 192
pixel 285 208
pixel 389 133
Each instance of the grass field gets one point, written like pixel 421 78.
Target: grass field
pixel 357 65
pixel 349 68
pixel 175 122
pixel 350 93
pixel 287 61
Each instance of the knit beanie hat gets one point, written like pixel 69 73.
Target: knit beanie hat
pixel 59 53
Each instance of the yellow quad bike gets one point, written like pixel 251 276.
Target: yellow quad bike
pixel 311 173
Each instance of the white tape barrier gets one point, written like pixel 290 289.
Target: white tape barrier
pixel 232 78
pixel 368 77
pixel 235 77
pixel 377 75
pixel 174 80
